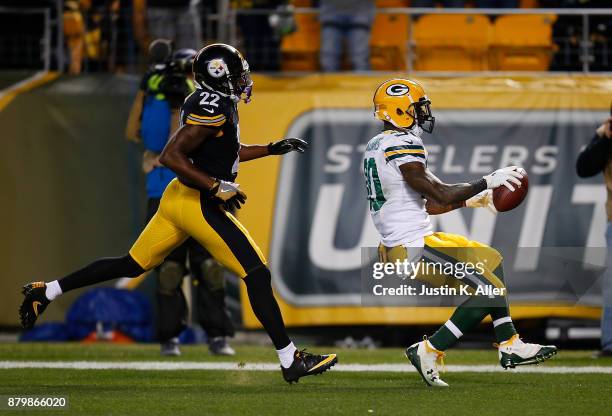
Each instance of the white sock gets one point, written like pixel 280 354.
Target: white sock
pixel 285 355
pixel 53 290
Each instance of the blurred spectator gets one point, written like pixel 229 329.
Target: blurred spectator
pixel 100 21
pixel 350 22
pixel 74 33
pixel 178 20
pixel 154 117
pixel 91 31
pixel 261 44
pixel 594 159
pixel 434 3
pixel 567 34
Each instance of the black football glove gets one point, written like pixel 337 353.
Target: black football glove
pixel 287 145
pixel 228 194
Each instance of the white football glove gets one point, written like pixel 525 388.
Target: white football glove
pixel 482 200
pixel 228 193
pixel 506 177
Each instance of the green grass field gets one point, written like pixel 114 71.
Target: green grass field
pixel 218 392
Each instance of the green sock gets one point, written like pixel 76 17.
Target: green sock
pixel 502 323
pixel 504 328
pixel 465 317
pixel 443 338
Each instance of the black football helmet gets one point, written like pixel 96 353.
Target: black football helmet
pixel 223 69
pixel 183 59
pixel 160 50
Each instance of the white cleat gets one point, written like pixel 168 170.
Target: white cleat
pixel 425 359
pixel 515 352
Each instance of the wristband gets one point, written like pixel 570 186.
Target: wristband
pixel 479 185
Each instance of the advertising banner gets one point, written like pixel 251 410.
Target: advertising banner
pixel 321 225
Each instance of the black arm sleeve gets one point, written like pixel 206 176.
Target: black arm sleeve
pixel 592 160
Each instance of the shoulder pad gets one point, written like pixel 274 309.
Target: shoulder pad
pixel 205 108
pixel 403 146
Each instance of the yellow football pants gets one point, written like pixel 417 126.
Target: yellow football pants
pixel 183 212
pixel 450 248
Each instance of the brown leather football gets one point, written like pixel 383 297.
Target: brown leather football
pixel 505 200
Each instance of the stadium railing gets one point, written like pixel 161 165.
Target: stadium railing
pixel 572 53
pixel 38 45
pixel 401 40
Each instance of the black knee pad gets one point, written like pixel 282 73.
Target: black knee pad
pixel 212 274
pixel 170 277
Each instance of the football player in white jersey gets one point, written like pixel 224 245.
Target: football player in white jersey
pixel 403 193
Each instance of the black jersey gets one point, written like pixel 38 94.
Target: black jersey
pixel 217 156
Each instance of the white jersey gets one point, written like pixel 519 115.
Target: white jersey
pixel 398 211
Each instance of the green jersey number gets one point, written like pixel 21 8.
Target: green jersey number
pixel 375 193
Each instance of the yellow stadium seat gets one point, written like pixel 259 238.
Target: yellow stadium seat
pixel 388 42
pixel 451 42
pixel 300 50
pixel 522 43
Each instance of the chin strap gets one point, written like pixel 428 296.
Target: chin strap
pixel 236 98
pixel 232 96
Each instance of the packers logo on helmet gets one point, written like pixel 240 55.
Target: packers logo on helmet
pixel 397 89
pixel 403 102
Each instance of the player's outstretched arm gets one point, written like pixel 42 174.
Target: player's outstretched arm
pixel 434 208
pixel 253 151
pixel 442 195
pixel 447 196
pixel 280 147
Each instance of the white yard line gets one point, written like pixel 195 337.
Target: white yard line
pixel 192 365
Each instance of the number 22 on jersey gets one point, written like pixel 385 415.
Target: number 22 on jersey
pixel 213 99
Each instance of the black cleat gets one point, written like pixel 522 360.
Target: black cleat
pixel 306 364
pixel 34 303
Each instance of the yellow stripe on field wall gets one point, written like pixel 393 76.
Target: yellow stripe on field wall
pixel 7 95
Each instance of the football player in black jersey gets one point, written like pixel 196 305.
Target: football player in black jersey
pixel 204 153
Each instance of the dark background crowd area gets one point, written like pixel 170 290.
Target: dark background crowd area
pixel 113 35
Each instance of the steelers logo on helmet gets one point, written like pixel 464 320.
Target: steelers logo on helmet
pixel 216 68
pixel 397 89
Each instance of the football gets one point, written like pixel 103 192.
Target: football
pixel 505 200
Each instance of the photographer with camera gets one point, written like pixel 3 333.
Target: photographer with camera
pixel 594 159
pixel 155 115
